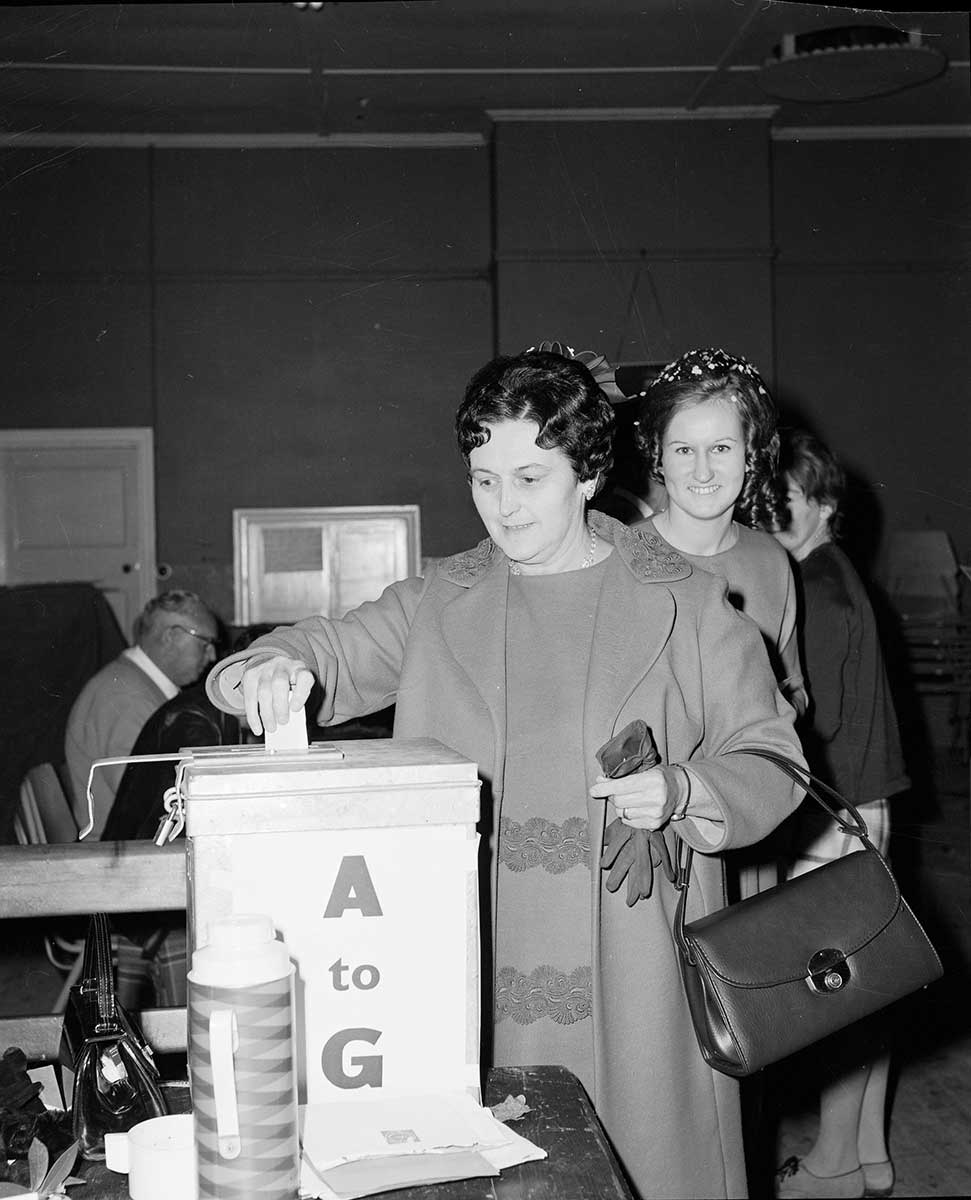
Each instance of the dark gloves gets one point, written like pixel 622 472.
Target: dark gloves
pixel 17 1090
pixel 20 1105
pixel 633 749
pixel 632 854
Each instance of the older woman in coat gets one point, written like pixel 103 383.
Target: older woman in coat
pixel 526 654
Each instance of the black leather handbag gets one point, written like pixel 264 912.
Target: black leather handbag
pixel 781 970
pixel 116 1081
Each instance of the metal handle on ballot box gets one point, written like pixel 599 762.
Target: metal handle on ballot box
pixel 121 761
pixel 289 737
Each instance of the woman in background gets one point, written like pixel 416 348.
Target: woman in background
pixel 707 429
pixel 851 741
pixel 526 654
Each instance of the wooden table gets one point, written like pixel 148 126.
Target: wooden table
pixel 580 1164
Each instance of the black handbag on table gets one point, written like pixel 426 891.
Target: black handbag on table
pixel 779 971
pixel 116 1081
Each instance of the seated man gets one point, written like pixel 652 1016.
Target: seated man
pixel 175 638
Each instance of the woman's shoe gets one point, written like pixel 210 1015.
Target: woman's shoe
pixel 794 1179
pixel 878 1178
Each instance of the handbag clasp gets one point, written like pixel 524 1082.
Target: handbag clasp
pixel 827 971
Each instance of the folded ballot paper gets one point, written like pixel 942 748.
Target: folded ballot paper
pixel 362 1148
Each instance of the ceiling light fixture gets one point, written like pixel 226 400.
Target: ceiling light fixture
pixel 852 62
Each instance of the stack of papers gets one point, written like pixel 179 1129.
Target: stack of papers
pixel 364 1147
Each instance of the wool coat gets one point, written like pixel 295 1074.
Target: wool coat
pixel 105 721
pixel 668 648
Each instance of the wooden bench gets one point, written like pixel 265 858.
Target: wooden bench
pixel 79 878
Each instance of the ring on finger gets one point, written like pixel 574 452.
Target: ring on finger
pixel 623 814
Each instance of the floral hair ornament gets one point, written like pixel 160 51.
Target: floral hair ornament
pixel 696 364
pixel 597 364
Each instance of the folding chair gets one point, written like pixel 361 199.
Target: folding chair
pixel 44 818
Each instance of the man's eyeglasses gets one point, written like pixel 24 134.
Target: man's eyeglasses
pixel 201 637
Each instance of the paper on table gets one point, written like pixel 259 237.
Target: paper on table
pixel 403 1142
pixel 369 1176
pixel 414 1124
pixel 514 1150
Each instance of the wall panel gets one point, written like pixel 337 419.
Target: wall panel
pixel 295 211
pixel 636 312
pixel 67 209
pixel 296 325
pixel 872 306
pixel 311 394
pixel 875 201
pixel 75 353
pixel 603 187
pixel 874 364
pixel 637 239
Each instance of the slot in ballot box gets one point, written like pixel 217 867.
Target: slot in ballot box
pixel 364 853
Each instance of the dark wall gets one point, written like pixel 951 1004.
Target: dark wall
pixel 872 317
pixel 298 325
pixel 635 238
pixel 76 336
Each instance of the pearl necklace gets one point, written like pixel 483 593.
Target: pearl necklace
pixel 515 568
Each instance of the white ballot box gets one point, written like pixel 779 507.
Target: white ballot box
pixel 364 854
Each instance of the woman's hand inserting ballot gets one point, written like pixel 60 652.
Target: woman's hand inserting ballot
pixel 273 688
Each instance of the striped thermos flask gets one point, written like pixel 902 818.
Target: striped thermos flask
pixel 244 1086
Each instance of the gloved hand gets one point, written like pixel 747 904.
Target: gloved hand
pixel 628 853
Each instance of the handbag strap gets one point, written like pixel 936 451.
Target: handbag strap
pixel 832 801
pixel 829 799
pixel 98 973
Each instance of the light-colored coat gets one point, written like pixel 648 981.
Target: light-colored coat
pixel 104 722
pixel 667 647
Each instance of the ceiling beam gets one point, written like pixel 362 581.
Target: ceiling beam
pixel 247 141
pixel 754 8
pixel 720 112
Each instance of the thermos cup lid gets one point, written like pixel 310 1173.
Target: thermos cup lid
pixel 242 950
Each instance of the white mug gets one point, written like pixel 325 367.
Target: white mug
pixel 159 1156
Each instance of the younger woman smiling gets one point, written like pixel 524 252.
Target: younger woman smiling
pixel 707 427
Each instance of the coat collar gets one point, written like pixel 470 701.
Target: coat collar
pixel 474 625
pixel 648 558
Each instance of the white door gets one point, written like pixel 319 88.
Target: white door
pixel 79 505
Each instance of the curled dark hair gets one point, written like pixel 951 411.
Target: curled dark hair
pixel 812 465
pixel 711 374
pixel 558 393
